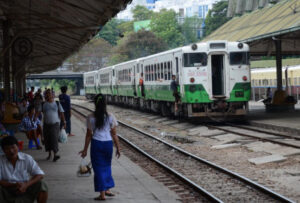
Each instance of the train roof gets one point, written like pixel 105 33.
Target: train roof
pixel 273 69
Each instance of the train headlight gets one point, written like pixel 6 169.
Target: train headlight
pixel 245 78
pixel 194 46
pixel 192 80
pixel 240 45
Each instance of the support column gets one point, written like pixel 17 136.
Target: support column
pixel 6 64
pixel 278 63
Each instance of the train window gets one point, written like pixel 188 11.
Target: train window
pixel 169 70
pixel 155 70
pixel 265 82
pixel 158 71
pixel 283 82
pixel 113 72
pixel 137 68
pixel 146 73
pixel 239 58
pixel 270 82
pixel 289 81
pixel 259 82
pixel 194 59
pixel 151 73
pixel 275 81
pixel 298 81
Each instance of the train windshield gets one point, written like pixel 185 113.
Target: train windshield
pixel 194 59
pixel 239 58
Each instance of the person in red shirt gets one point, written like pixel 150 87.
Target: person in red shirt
pixel 30 95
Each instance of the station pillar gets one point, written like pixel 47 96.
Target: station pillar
pixel 6 61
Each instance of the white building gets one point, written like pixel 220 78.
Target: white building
pixel 186 8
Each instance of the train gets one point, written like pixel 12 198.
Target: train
pixel 213 80
pixel 263 78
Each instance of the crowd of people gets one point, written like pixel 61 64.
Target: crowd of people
pixel 41 117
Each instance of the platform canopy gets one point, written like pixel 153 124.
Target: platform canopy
pixel 261 27
pixel 43 33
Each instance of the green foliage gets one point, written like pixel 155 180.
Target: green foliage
pixel 189 29
pixel 141 13
pixel 164 25
pixel 136 45
pixel 57 84
pixel 110 31
pixel 125 27
pixel 216 17
pixel 92 56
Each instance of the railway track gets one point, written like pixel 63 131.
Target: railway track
pixel 213 182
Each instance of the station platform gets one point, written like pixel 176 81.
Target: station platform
pixel 132 183
pixel 288 121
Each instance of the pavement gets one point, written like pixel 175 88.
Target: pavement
pixel 285 121
pixel 132 183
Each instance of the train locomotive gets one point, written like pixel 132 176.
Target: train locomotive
pixel 213 80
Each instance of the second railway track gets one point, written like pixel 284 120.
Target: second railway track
pixel 219 184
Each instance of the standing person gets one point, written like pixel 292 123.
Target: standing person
pixel 23 107
pixel 65 101
pixel 30 95
pixel 174 88
pixel 101 129
pixel 141 84
pixel 20 175
pixel 53 92
pixel 53 115
pixel 38 101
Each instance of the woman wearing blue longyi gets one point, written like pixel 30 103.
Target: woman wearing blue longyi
pixel 101 130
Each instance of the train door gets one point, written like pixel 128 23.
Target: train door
pixel 133 75
pixel 217 75
pixel 177 70
pixel 113 81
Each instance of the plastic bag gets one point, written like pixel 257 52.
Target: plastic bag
pixel 63 137
pixel 84 169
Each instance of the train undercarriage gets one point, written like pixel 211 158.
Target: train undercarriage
pixel 218 109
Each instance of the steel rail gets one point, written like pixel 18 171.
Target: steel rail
pixel 198 188
pixel 263 131
pixel 253 136
pixel 219 168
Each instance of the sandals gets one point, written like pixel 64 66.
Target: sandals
pixel 99 198
pixel 110 194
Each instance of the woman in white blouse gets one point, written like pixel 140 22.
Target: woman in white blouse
pixel 101 130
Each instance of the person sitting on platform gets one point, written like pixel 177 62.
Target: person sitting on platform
pixel 31 125
pixel 20 175
pixel 23 108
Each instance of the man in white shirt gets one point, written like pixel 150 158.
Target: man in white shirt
pixel 20 176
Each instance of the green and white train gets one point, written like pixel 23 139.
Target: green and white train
pixel 213 78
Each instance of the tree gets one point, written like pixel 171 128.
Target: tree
pixel 93 55
pixel 216 17
pixel 110 31
pixel 164 25
pixel 136 45
pixel 141 13
pixel 125 27
pixel 189 29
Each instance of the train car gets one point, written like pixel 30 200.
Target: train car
pixel 262 78
pixel 213 78
pixel 90 84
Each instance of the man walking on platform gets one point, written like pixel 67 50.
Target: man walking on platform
pixel 65 101
pixel 53 115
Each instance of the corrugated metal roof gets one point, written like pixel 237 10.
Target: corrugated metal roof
pixel 261 23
